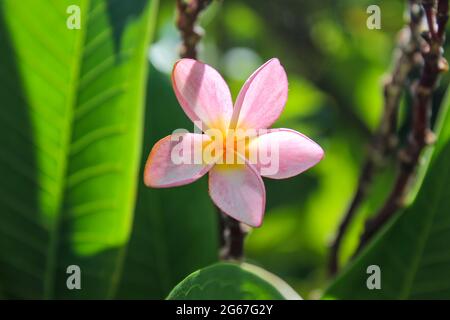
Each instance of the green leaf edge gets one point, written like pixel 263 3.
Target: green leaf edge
pixel 265 276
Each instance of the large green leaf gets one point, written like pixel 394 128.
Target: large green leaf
pixel 175 230
pixel 71 134
pixel 234 282
pixel 413 251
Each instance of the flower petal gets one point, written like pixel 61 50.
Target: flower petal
pixel 238 191
pixel 262 98
pixel 202 93
pixel 283 153
pixel 171 161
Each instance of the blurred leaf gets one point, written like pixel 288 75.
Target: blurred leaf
pixel 240 62
pixel 329 37
pixel 175 230
pixel 381 186
pixel 369 96
pixel 412 250
pixel 227 281
pixel 241 22
pixel 304 100
pixel 71 114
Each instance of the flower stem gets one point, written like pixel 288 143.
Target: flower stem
pixel 232 236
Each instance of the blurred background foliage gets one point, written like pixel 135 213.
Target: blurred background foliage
pixel 335 66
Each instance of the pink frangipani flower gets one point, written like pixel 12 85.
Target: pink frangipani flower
pixel 236 188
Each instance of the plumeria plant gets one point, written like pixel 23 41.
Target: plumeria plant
pixel 234 145
pixel 87 213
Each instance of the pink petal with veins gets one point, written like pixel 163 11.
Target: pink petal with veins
pixel 262 98
pixel 284 153
pixel 239 192
pixel 162 172
pixel 202 93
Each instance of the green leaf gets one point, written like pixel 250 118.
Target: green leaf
pixel 175 230
pixel 232 282
pixel 413 250
pixel 71 136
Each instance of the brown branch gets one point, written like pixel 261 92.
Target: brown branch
pixel 420 135
pixel 234 232
pixel 385 139
pixel 187 14
pixel 442 17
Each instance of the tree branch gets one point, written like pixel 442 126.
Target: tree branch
pixel 385 139
pixel 232 239
pixel 187 14
pixel 420 135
